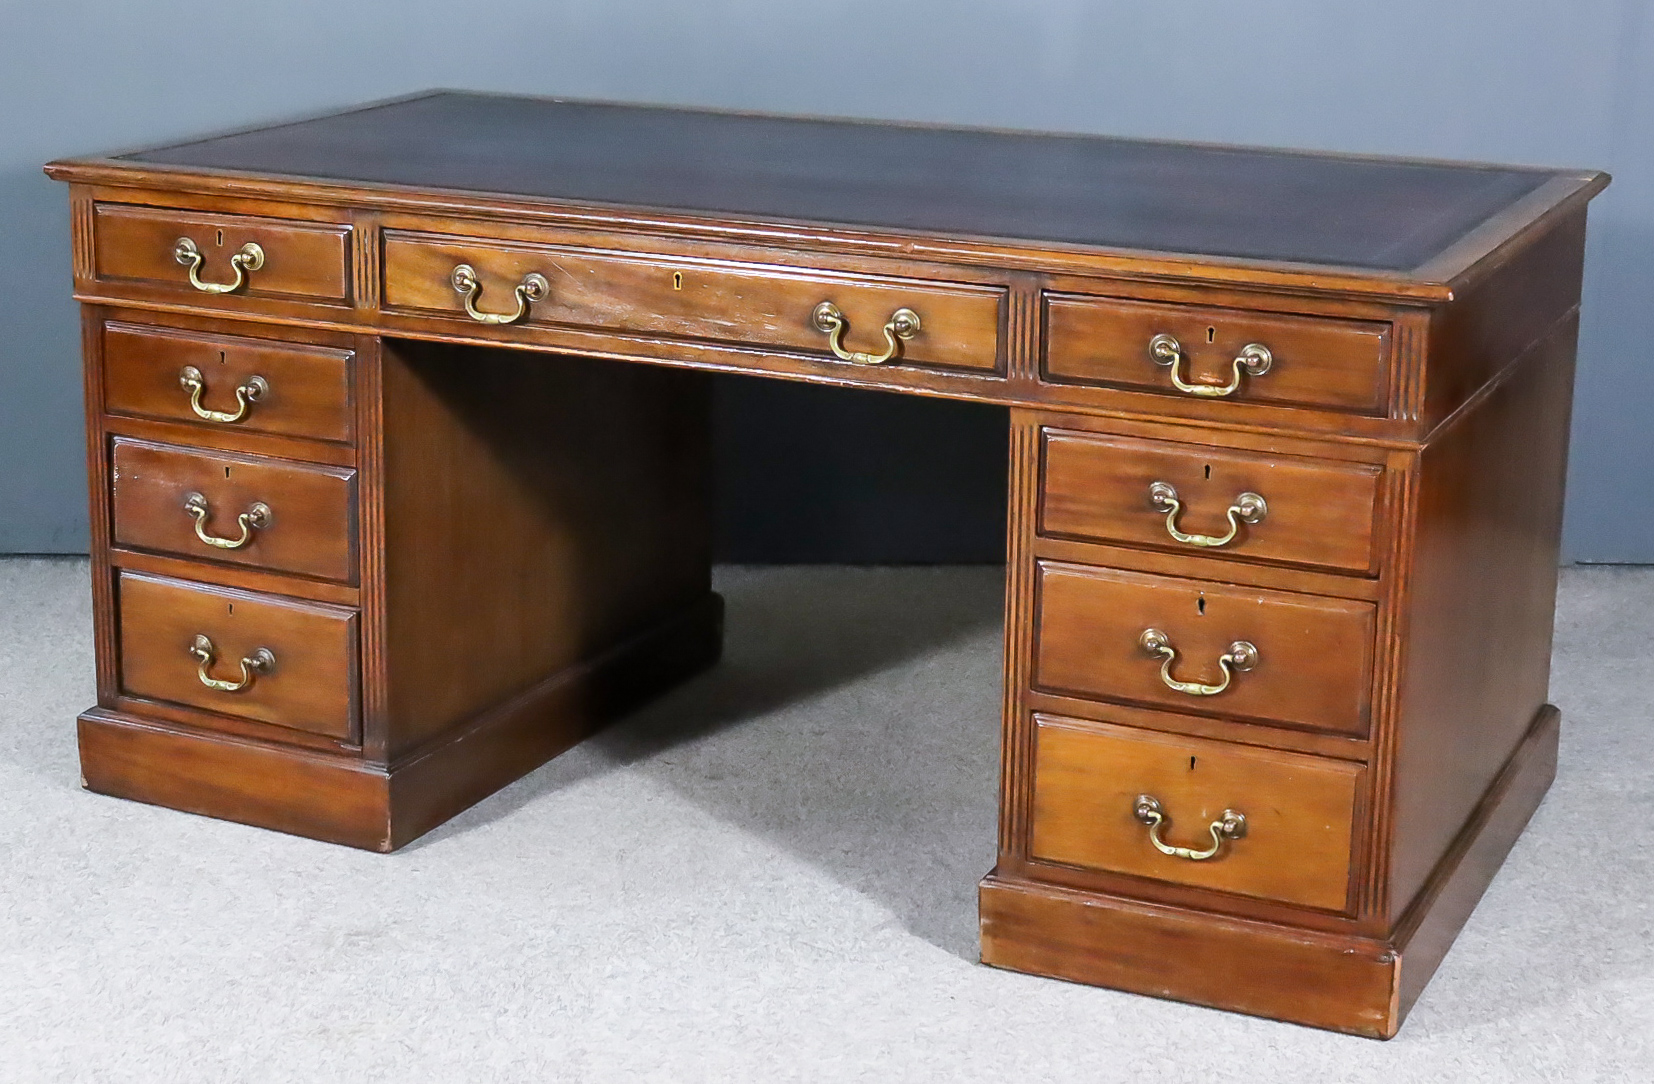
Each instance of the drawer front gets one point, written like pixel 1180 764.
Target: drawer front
pixel 1313 361
pixel 1313 656
pixel 765 306
pixel 1120 489
pixel 307 260
pixel 253 384
pixel 305 679
pixel 1299 811
pixel 268 513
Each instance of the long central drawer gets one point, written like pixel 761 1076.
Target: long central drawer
pixel 767 306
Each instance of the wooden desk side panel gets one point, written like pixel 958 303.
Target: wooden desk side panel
pixel 1501 316
pixel 1486 540
pixel 538 510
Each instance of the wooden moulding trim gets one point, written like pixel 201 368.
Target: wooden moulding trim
pixel 1006 253
pixel 367 400
pixel 1322 980
pixel 1488 246
pixel 289 789
pixel 1016 731
pixel 1397 499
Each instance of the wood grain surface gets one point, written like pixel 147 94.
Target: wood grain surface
pixel 1318 513
pixel 308 386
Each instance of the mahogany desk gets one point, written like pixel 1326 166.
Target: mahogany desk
pixel 1287 447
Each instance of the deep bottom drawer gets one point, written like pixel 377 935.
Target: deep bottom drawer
pixel 1299 811
pixel 262 657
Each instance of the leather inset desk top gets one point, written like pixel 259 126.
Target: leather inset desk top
pixel 1377 215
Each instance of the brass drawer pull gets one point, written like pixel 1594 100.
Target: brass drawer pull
pixel 1254 359
pixel 903 324
pixel 1241 656
pixel 191 380
pixel 261 661
pixel 255 518
pixel 1248 508
pixel 1232 825
pixel 534 287
pixel 188 253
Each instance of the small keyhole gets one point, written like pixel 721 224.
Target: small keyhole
pixel 220 238
pixel 221 357
pixel 226 472
pixel 1211 334
pixel 677 280
pixel 232 609
pixel 1200 604
pixel 1191 764
pixel 1208 471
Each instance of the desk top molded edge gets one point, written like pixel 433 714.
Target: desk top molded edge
pixel 1471 256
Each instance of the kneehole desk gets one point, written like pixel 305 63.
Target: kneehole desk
pixel 398 437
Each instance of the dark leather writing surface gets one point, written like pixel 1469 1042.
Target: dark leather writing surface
pixel 1083 190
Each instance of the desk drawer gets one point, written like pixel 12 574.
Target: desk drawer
pixel 268 513
pixel 1271 508
pixel 764 306
pixel 308 260
pixel 1311 663
pixel 1312 361
pixel 300 669
pixel 253 384
pixel 1293 845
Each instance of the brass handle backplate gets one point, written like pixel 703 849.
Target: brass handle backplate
pixel 1254 359
pixel 1241 656
pixel 902 325
pixel 1232 825
pixel 1247 508
pixel 255 518
pixel 261 661
pixel 534 287
pixel 191 380
pixel 249 258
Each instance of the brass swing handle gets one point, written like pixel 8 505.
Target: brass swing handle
pixel 1254 359
pixel 1241 656
pixel 255 518
pixel 902 325
pixel 1232 825
pixel 191 380
pixel 1247 508
pixel 534 287
pixel 261 661
pixel 249 258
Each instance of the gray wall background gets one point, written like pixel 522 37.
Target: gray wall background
pixel 1546 82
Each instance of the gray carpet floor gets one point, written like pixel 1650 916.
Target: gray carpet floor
pixel 767 876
